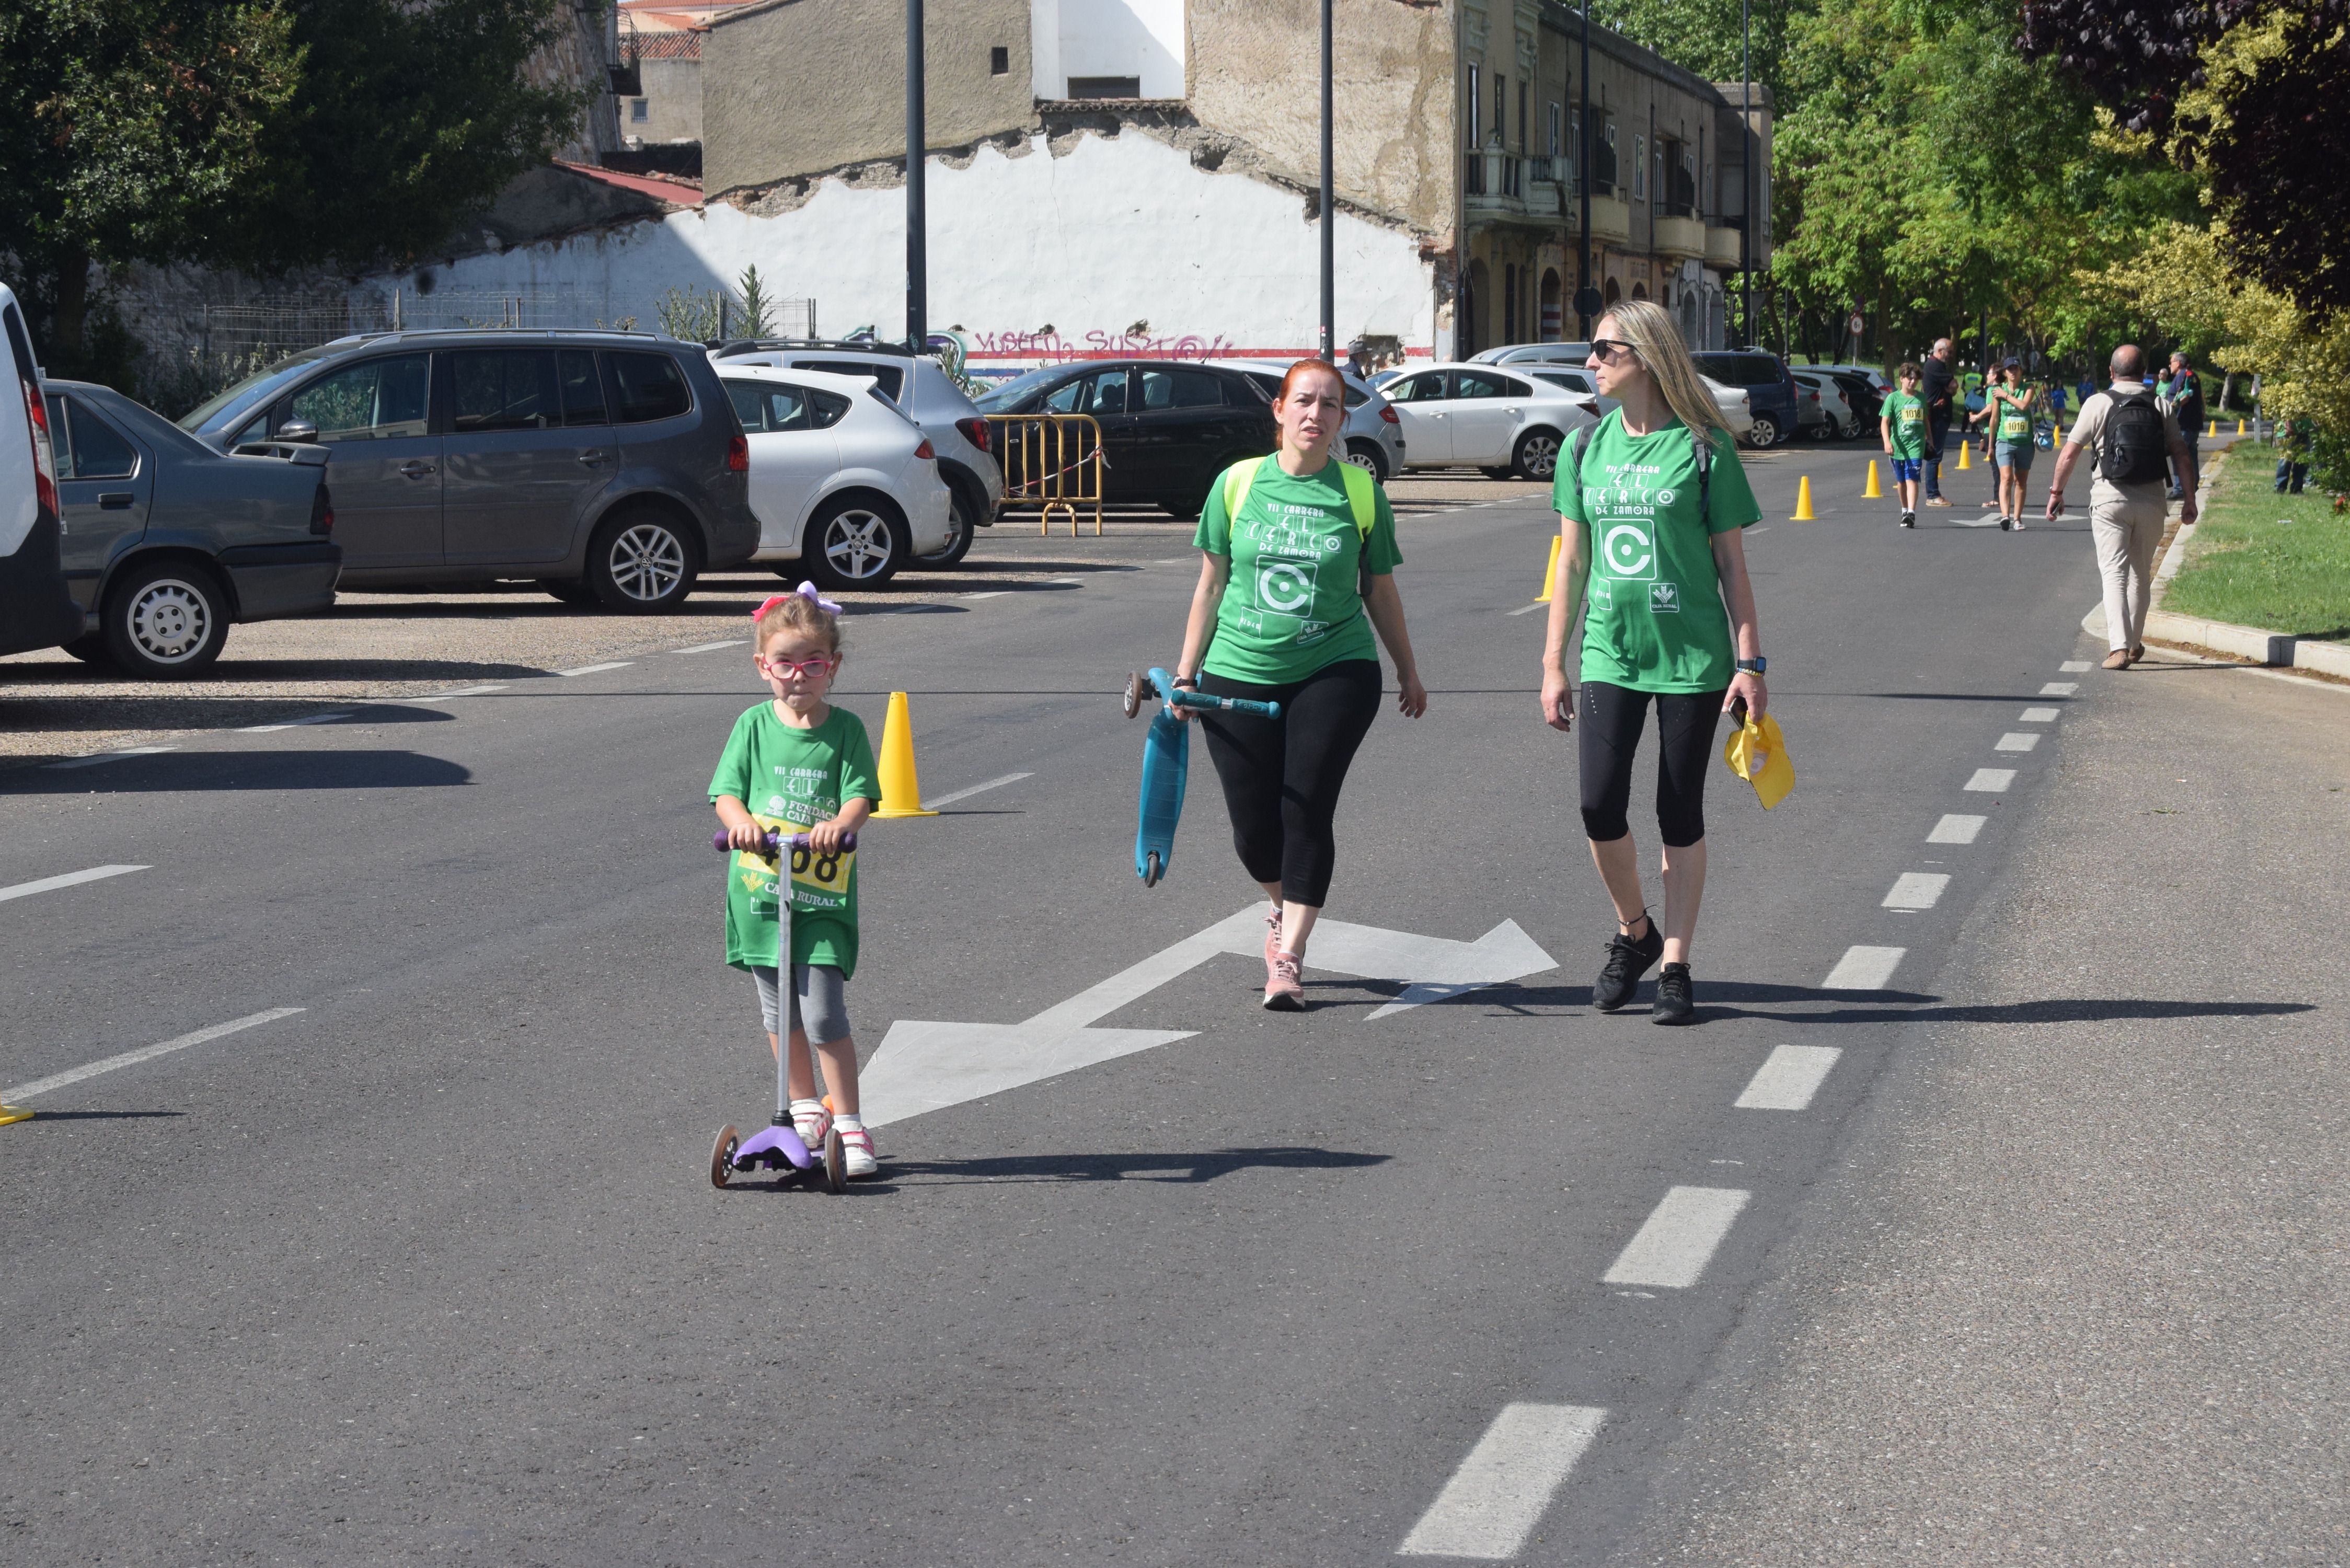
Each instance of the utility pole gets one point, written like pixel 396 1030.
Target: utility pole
pixel 918 287
pixel 1586 297
pixel 1329 210
pixel 1745 169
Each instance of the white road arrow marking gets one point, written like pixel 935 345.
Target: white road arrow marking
pixel 927 1066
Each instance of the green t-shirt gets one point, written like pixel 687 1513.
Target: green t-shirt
pixel 1655 620
pixel 2012 424
pixel 1292 603
pixel 791 780
pixel 1908 413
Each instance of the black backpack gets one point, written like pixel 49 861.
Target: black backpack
pixel 2137 447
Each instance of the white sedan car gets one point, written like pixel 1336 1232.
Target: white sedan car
pixel 1488 416
pixel 1737 408
pixel 1829 410
pixel 843 484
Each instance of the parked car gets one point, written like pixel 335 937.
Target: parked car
pixel 846 486
pixel 1168 427
pixel 167 541
pixel 1866 400
pixel 1821 408
pixel 920 386
pixel 1769 387
pixel 36 611
pixel 1482 416
pixel 1524 355
pixel 1573 378
pixel 1872 374
pixel 1373 433
pixel 1737 408
pixel 607 467
pixel 1736 412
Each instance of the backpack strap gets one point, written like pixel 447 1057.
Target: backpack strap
pixel 1702 450
pixel 1236 483
pixel 1362 497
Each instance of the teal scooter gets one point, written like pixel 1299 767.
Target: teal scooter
pixel 1167 762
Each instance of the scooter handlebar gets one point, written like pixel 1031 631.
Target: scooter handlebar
pixel 1204 701
pixel 776 843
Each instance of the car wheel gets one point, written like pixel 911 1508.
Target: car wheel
pixel 1765 433
pixel 571 593
pixel 643 562
pixel 1367 456
pixel 1537 454
pixel 90 649
pixel 962 526
pixel 166 621
pixel 852 544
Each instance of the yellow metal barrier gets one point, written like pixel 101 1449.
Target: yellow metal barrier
pixel 1052 461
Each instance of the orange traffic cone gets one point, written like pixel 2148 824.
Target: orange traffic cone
pixel 1873 492
pixel 1803 500
pixel 901 789
pixel 1550 573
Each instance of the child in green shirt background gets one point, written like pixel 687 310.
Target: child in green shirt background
pixel 1901 422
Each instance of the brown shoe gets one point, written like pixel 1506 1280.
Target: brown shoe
pixel 1936 501
pixel 2118 659
pixel 2138 653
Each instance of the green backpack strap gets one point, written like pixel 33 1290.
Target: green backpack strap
pixel 1362 492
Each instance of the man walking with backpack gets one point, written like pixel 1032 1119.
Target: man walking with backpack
pixel 2129 437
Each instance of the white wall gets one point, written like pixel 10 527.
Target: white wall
pixel 1117 230
pixel 1108 38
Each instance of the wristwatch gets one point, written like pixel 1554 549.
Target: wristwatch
pixel 1754 666
pixel 1186 682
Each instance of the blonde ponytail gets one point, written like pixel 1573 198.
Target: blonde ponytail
pixel 1645 325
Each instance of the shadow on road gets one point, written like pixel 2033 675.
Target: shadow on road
pixel 1886 1006
pixel 181 772
pixel 1182 1168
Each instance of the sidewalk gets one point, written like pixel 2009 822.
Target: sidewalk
pixel 2080 1291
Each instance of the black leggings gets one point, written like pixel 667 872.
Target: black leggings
pixel 1612 718
pixel 1282 776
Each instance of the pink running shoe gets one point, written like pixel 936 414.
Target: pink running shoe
pixel 1282 992
pixel 1272 942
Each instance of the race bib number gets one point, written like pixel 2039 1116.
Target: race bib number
pixel 820 880
pixel 1913 415
pixel 2013 426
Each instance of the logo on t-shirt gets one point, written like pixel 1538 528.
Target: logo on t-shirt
pixel 1628 549
pixel 1665 598
pixel 1291 549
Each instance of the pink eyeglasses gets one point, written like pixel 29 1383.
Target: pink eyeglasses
pixel 805 668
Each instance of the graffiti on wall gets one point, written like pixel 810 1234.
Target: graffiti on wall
pixel 1049 345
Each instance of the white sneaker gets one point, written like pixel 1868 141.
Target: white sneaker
pixel 856 1153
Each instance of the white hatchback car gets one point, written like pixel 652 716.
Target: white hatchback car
pixel 1488 416
pixel 842 482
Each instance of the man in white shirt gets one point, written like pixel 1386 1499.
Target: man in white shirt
pixel 2133 442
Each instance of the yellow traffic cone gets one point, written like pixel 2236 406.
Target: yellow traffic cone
pixel 1550 573
pixel 902 791
pixel 1872 492
pixel 1965 449
pixel 1804 499
pixel 15 1114
pixel 2214 430
pixel 2239 427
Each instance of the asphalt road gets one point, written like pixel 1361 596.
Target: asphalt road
pixel 430 1268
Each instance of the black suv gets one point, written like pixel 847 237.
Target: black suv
pixel 608 467
pixel 1168 428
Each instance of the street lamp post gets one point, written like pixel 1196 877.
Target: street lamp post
pixel 918 303
pixel 1586 297
pixel 1745 169
pixel 1329 210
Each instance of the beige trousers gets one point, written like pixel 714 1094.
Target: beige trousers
pixel 2125 534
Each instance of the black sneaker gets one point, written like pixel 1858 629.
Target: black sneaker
pixel 1628 961
pixel 1909 519
pixel 1674 1003
pixel 2006 524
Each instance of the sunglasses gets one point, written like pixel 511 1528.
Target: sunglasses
pixel 805 668
pixel 1609 348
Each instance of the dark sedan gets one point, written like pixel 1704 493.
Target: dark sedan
pixel 1168 428
pixel 166 542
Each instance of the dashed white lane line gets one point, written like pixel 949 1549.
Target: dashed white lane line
pixel 597 669
pixel 1990 781
pixel 1916 890
pixel 1504 1485
pixel 2074 666
pixel 1788 1078
pixel 2018 740
pixel 292 723
pixel 96 757
pixel 2060 688
pixel 144 1054
pixel 71 879
pixel 974 789
pixel 2039 715
pixel 1864 969
pixel 1956 828
pixel 990 594
pixel 713 647
pixel 1529 609
pixel 1672 1248
pixel 461 692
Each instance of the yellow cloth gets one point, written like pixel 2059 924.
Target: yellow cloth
pixel 1758 753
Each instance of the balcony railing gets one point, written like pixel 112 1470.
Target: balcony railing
pixel 1495 174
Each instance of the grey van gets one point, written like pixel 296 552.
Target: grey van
pixel 607 467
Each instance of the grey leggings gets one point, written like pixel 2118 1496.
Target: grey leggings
pixel 820 997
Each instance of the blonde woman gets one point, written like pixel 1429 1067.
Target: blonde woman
pixel 1649 508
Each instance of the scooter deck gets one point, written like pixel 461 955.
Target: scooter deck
pixel 1166 767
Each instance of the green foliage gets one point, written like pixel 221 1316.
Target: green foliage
pixel 2278 562
pixel 757 318
pixel 693 313
pixel 1703 36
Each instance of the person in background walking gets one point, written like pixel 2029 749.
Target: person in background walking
pixel 1936 386
pixel 2009 405
pixel 1901 422
pixel 2127 436
pixel 2293 456
pixel 2187 407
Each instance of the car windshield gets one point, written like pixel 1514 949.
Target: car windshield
pixel 1017 390
pixel 256 389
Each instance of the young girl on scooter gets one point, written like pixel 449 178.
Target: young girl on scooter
pixel 798 764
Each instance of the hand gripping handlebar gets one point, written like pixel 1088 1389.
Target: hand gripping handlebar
pixel 1140 689
pixel 776 843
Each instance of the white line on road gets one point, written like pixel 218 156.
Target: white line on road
pixel 1529 609
pixel 974 789
pixel 144 1054
pixel 1988 520
pixel 1955 828
pixel 713 647
pixel 2074 666
pixel 1788 1078
pixel 1916 890
pixel 2018 740
pixel 1990 781
pixel 1673 1247
pixel 2060 688
pixel 292 723
pixel 1504 1486
pixel 461 692
pixel 1864 969
pixel 96 757
pixel 594 668
pixel 990 594
pixel 2038 715
pixel 71 879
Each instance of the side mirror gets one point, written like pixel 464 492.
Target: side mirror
pixel 298 431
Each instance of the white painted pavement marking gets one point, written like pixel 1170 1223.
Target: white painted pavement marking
pixel 1672 1248
pixel 144 1054
pixel 990 594
pixel 461 692
pixel 1990 781
pixel 974 789
pixel 1916 890
pixel 293 723
pixel 96 757
pixel 713 647
pixel 1955 828
pixel 1504 1485
pixel 2060 688
pixel 1864 969
pixel 2038 715
pixel 2018 740
pixel 1988 520
pixel 2074 666
pixel 71 879
pixel 1788 1078
pixel 597 669
pixel 1529 609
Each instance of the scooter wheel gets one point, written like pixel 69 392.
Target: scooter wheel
pixel 1132 700
pixel 721 1155
pixel 1151 869
pixel 835 1164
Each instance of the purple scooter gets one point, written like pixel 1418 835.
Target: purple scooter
pixel 777 1146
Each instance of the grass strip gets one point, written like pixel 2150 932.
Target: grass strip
pixel 2280 563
